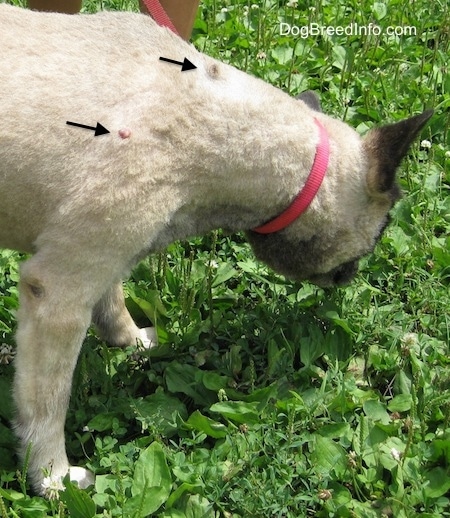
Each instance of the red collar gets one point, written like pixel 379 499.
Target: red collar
pixel 307 194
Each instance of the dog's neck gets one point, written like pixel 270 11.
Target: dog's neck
pixel 308 192
pixel 247 166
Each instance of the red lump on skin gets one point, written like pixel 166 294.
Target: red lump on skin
pixel 124 133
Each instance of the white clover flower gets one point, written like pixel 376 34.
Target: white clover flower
pixel 396 454
pixel 6 354
pixel 213 264
pixel 292 3
pixel 425 144
pixel 447 154
pixel 325 494
pixel 51 487
pixel 410 344
pixel 224 10
pixel 222 395
pixel 410 339
pixel 255 6
pixel 261 55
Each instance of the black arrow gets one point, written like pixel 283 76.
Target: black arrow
pixel 99 129
pixel 185 65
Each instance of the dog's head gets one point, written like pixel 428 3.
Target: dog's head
pixel 351 211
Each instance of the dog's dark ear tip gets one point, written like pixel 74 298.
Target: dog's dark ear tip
pixel 311 99
pixel 386 147
pixel 427 114
pixel 422 118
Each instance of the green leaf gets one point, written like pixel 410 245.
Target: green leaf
pixel 11 494
pixel 341 495
pixel 379 10
pixel 338 321
pixel 233 359
pixel 78 502
pixel 441 448
pixel 437 482
pixel 198 507
pixel 273 356
pixel 173 513
pixel 376 411
pixel 238 411
pixel 282 54
pixel 328 456
pixel 145 503
pixel 399 241
pixel 310 350
pixel 29 508
pixel 151 306
pixel 103 422
pixel 204 424
pixel 188 380
pixel 180 491
pixel 391 452
pixel 105 483
pixel 252 268
pixel 214 381
pixel 340 57
pixel 335 430
pixel 224 272
pixel 151 485
pixel 151 470
pixel 157 411
pixel 404 382
pixel 263 395
pixel 400 403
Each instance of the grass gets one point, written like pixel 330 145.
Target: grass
pixel 268 398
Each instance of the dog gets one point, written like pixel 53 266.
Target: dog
pixel 187 152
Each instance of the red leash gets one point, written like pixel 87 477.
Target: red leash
pixel 158 13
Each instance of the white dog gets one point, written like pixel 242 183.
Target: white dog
pixel 187 152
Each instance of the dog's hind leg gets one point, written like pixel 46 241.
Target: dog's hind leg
pixel 55 312
pixel 115 324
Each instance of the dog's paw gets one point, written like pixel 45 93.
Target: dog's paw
pixel 83 477
pixel 148 337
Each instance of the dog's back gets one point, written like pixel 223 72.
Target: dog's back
pixel 83 68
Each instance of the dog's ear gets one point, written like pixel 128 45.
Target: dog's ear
pixel 385 147
pixel 311 99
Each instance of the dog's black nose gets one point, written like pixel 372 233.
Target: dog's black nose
pixel 344 273
pixel 339 276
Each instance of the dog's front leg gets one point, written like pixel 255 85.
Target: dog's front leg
pixel 55 311
pixel 115 324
